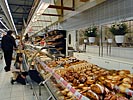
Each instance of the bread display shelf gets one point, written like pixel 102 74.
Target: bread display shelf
pixel 62 81
pixel 56 39
pixel 72 67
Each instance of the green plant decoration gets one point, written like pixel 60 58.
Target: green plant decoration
pixel 91 32
pixel 119 29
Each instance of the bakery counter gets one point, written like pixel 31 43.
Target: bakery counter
pixel 62 90
pixel 57 91
pixel 77 79
pixel 93 82
pixel 114 63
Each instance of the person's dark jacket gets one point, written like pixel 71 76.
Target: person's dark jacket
pixel 8 42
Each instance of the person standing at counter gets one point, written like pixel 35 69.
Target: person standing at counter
pixel 7 44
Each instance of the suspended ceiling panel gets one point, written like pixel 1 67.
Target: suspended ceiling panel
pixel 20 10
pixel 107 12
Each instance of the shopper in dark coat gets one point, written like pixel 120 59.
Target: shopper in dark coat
pixel 7 44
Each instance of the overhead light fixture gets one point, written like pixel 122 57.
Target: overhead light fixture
pixel 2 30
pixel 4 25
pixel 11 16
pixel 43 6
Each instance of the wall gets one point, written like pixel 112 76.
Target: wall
pixel 106 12
pixel 115 51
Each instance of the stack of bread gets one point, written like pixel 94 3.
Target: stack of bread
pixel 97 83
pixel 91 81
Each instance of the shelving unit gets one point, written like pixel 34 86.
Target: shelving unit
pixel 52 86
pixel 56 39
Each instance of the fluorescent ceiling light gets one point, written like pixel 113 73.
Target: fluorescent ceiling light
pixel 2 30
pixel 4 25
pixel 42 8
pixel 11 16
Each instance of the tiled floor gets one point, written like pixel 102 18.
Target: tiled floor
pixel 17 91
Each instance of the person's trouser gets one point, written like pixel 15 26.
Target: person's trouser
pixel 8 59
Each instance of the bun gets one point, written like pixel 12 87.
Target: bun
pixel 97 88
pixel 93 96
pixel 82 78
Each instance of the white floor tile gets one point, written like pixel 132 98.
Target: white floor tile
pixel 5 95
pixel 17 91
pixel 29 98
pixel 17 98
pixel 6 99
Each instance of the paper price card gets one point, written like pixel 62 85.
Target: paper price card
pixel 117 88
pixel 64 83
pixel 72 90
pixel 129 92
pixel 69 86
pixel 78 95
pixel 49 69
pixel 61 79
pixel 56 76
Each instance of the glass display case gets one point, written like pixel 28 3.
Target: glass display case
pixel 72 79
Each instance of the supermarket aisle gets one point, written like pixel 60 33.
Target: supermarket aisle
pixel 16 91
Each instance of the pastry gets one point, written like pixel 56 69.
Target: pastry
pixel 109 77
pixel 92 95
pixel 127 80
pixel 70 78
pixel 97 88
pixel 76 82
pixel 114 97
pixel 123 87
pixel 82 78
pixel 80 85
pixel 116 78
pixel 89 82
pixel 109 84
pixel 121 98
pixel 123 72
pixel 69 94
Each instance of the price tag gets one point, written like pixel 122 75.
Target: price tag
pixel 117 88
pixel 69 86
pixel 72 90
pixel 78 95
pixel 64 83
pixel 56 76
pixel 61 79
pixel 129 92
pixel 48 69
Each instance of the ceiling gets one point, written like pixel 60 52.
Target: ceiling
pixel 24 11
pixel 20 10
pixel 3 21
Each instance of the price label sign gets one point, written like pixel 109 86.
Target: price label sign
pixel 78 95
pixel 56 76
pixel 129 92
pixel 69 86
pixel 64 83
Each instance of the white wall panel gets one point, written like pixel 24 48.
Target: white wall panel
pixel 109 11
